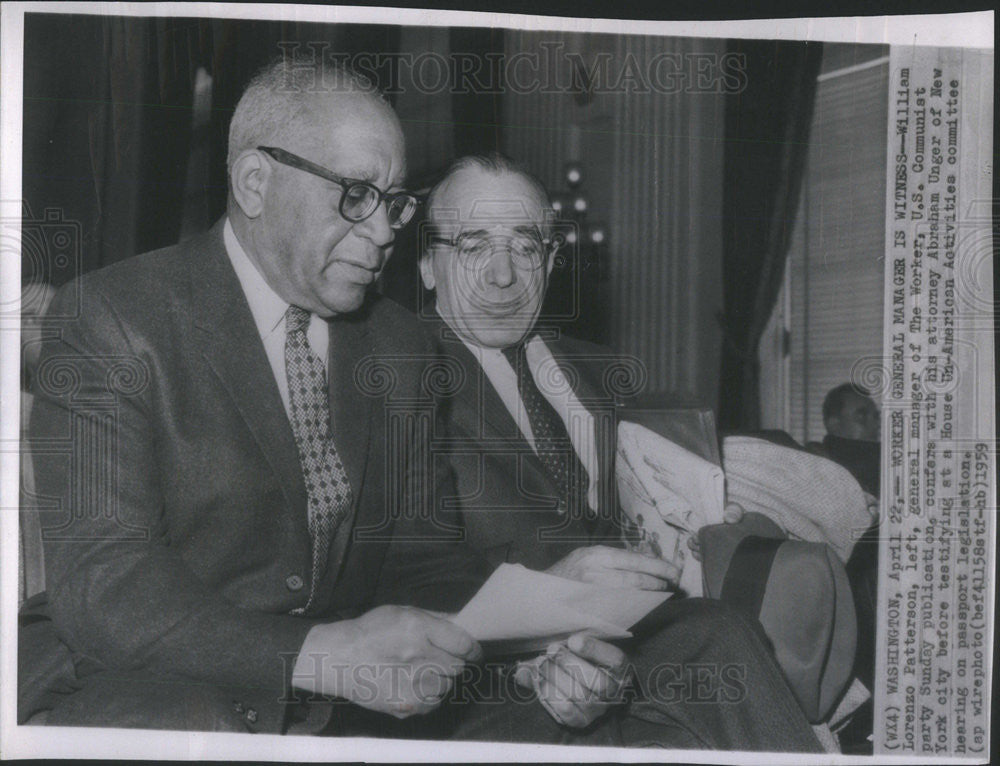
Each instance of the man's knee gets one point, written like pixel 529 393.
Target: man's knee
pixel 703 632
pixel 720 620
pixel 704 652
pixel 700 622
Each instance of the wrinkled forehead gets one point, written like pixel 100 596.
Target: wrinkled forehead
pixel 353 132
pixel 478 199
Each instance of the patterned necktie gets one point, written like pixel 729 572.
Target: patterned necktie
pixel 552 441
pixel 326 481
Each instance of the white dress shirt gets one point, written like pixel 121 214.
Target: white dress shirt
pixel 555 387
pixel 268 310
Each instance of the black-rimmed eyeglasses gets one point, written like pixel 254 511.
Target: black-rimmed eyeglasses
pixel 360 198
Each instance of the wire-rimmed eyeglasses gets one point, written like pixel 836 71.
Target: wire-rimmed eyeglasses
pixel 527 247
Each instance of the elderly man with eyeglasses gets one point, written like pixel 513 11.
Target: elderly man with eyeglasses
pixel 541 406
pixel 230 530
pixel 529 428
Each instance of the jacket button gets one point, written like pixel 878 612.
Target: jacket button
pixel 294 583
pixel 251 715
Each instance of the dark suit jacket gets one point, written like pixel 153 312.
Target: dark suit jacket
pixel 179 539
pixel 506 502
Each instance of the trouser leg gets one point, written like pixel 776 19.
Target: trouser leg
pixel 705 679
pixel 485 706
pixel 708 672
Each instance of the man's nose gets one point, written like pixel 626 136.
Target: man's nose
pixel 500 272
pixel 376 229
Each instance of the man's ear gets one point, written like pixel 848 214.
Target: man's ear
pixel 427 272
pixel 248 180
pixel 552 256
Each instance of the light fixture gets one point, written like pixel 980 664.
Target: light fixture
pixel 561 203
pixel 573 174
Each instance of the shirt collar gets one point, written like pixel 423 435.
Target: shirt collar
pixel 267 307
pixel 479 352
pixel 535 349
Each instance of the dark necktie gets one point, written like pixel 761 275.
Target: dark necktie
pixel 551 437
pixel 326 481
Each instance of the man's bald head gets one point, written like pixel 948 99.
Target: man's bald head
pixel 491 164
pixel 283 100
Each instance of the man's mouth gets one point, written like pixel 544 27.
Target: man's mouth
pixel 359 273
pixel 503 302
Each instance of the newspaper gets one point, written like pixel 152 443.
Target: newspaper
pixel 99 168
pixel 668 493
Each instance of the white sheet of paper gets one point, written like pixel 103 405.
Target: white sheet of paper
pixel 528 608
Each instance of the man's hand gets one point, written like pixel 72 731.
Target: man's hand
pixel 396 660
pixel 732 514
pixel 579 681
pixel 616 568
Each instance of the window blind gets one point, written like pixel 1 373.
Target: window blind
pixel 836 259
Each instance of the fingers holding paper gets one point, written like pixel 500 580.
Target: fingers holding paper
pixel 617 568
pixel 732 514
pixel 396 660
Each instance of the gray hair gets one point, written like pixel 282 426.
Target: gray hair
pixel 278 94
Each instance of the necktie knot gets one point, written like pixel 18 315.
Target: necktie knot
pixel 516 355
pixel 296 320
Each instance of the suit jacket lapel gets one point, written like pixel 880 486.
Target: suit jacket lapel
pixel 350 425
pixel 493 418
pixel 604 411
pixel 232 347
pixel 350 408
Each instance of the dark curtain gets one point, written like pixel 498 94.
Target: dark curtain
pixel 106 110
pixel 767 132
pixel 476 62
pixel 113 153
pixel 477 55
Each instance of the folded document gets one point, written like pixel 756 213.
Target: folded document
pixel 668 493
pixel 520 610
